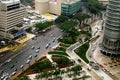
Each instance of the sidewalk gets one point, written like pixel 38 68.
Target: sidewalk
pixel 94 54
pixel 21 40
pixel 24 39
pixel 74 56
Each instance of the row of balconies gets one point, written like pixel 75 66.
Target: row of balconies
pixel 113 26
pixel 109 51
pixel 112 21
pixel 114 2
pixel 114 6
pixel 113 18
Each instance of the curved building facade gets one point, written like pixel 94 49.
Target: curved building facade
pixel 111 40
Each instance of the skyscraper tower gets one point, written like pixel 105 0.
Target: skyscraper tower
pixel 111 40
pixel 11 18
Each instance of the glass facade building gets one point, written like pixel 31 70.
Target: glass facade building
pixel 111 40
pixel 70 8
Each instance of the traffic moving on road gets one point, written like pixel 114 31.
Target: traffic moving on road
pixel 34 48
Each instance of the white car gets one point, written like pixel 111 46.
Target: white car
pixel 47 46
pixel 28 61
pixel 13 73
pixel 8 60
pixel 54 40
pixel 30 57
pixel 21 66
pixel 37 51
pixel 33 47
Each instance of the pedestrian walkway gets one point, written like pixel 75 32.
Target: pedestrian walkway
pixel 23 39
pixel 4 49
pixel 74 56
pixel 49 57
pixel 20 44
pixel 94 54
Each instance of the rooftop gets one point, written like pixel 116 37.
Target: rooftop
pixel 9 1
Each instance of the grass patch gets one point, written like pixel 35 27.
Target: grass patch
pixel 64 45
pixel 62 61
pixel 59 53
pixel 81 51
pixel 42 65
pixel 61 49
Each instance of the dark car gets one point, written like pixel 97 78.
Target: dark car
pixel 79 60
pixel 38 47
pixel 15 69
pixel 12 66
pixel 36 55
pixel 1 71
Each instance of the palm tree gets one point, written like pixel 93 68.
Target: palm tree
pixel 44 74
pixel 62 72
pixel 57 72
pixel 69 72
pixel 24 77
pixel 54 64
pixel 38 76
pixel 81 17
pixel 50 73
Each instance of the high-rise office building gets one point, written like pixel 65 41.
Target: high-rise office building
pixel 11 18
pixel 111 40
pixel 64 7
pixel 69 7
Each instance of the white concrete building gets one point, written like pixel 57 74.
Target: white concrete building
pixel 11 18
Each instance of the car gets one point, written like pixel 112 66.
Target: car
pixel 6 78
pixel 96 67
pixel 3 76
pixel 15 69
pixel 79 60
pixel 1 71
pixel 38 47
pixel 57 38
pixel 28 61
pixel 33 38
pixel 49 43
pixel 33 47
pixel 13 73
pixel 47 46
pixel 37 51
pixel 36 55
pixel 54 40
pixel 12 66
pixel 8 60
pixel 103 69
pixel 21 66
pixel 5 63
pixel 30 57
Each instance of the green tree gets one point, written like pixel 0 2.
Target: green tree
pixel 44 74
pixel 68 25
pixel 57 72
pixel 81 17
pixel 61 19
pixel 38 76
pixel 22 77
pixel 73 33
pixel 41 26
pixel 94 6
pixel 76 69
pixel 29 29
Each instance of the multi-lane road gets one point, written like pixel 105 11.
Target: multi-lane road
pixel 23 55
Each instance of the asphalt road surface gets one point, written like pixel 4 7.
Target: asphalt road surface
pixel 23 54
